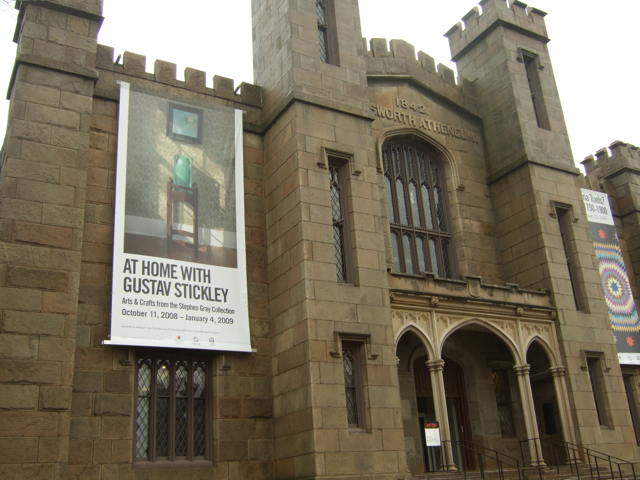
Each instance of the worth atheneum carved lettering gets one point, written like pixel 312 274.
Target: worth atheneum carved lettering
pixel 419 121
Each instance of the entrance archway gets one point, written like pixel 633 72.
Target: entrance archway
pixel 491 356
pixel 493 397
pixel 546 406
pixel 411 346
pixel 457 410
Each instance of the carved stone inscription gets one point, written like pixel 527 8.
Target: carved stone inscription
pixel 419 121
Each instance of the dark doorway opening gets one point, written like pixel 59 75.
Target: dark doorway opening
pixel 457 411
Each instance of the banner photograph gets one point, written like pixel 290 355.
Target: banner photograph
pixel 613 274
pixel 179 266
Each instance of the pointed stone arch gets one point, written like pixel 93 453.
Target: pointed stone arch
pixel 511 343
pixel 421 334
pixel 449 163
pixel 545 346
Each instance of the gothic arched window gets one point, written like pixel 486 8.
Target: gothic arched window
pixel 421 233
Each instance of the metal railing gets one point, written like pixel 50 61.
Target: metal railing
pixel 577 455
pixel 485 453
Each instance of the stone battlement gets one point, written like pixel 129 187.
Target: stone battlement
pixel 495 13
pixel 609 161
pixel 134 65
pixel 398 57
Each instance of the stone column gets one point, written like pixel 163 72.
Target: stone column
pixel 563 403
pixel 530 422
pixel 440 404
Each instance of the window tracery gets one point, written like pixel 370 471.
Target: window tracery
pixel 421 234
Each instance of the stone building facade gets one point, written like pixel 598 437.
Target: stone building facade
pixel 405 251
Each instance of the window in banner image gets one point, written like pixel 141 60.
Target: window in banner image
pixel 180 188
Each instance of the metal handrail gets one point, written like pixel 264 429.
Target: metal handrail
pixel 494 451
pixel 610 459
pixel 480 464
pixel 520 469
pixel 572 461
pixel 574 454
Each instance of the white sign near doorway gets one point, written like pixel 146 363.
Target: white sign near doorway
pixel 432 434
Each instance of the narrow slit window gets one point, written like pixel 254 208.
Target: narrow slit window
pixel 633 408
pixel 563 222
pixel 325 31
pixel 535 87
pixel 595 369
pixel 353 384
pixel 344 270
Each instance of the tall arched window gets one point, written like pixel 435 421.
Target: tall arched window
pixel 421 233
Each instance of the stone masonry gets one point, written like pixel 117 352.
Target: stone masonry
pixel 68 402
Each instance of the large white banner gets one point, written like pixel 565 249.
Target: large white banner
pixel 179 263
pixel 613 275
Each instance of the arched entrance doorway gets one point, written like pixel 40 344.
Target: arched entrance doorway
pixel 493 397
pixel 411 346
pixel 457 411
pixel 545 402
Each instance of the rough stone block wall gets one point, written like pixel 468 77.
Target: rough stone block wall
pixel 43 188
pixel 534 257
pixel 309 307
pixel 104 380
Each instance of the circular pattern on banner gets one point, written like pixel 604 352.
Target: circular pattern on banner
pixel 616 287
pixel 618 294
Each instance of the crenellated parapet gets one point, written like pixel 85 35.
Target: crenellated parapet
pixel 398 58
pixel 134 65
pixel 514 15
pixel 612 160
pixel 617 169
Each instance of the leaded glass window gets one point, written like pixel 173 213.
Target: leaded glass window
pixel 324 27
pixel 419 216
pixel 503 399
pixel 171 409
pixel 340 222
pixel 353 384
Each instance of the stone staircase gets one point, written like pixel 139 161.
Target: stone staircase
pixel 547 473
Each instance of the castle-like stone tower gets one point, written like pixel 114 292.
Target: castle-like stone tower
pixel 535 187
pixel 417 253
pixel 44 189
pixel 314 113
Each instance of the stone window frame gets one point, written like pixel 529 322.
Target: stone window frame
pixel 631 379
pixel 595 366
pixel 565 216
pixel 361 344
pixel 327 31
pixel 152 357
pixel 437 233
pixel 338 180
pixel 532 65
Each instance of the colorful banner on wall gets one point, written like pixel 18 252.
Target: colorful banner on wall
pixel 613 274
pixel 179 263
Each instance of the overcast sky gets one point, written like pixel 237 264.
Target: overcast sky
pixel 593 49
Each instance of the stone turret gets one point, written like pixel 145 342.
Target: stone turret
pixel 503 51
pixel 43 186
pixel 316 115
pixel 616 170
